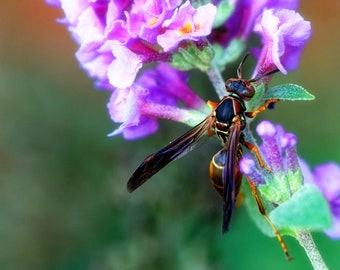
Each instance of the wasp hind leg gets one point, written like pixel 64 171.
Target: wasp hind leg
pixel 264 214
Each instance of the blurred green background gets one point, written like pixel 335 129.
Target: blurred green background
pixel 63 198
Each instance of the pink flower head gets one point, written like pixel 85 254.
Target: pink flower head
pixel 117 37
pixel 284 34
pixel 187 23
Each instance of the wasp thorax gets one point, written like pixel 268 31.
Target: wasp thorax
pixel 240 87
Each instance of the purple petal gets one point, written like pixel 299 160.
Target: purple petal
pixel 268 133
pixel 284 34
pixel 288 140
pixel 145 19
pixel 246 13
pixel 327 178
pixel 334 232
pixel 168 86
pixel 124 104
pixel 95 64
pixel 55 3
pixel 123 70
pixel 307 173
pixel 73 9
pixel 89 27
pixel 145 127
pixel 187 24
pixel 248 168
pixel 125 107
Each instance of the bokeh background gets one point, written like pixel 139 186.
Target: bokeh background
pixel 63 198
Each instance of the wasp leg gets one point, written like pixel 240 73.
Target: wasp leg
pixel 262 108
pixel 264 214
pixel 256 151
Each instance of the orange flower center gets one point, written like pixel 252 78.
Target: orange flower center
pixel 188 28
pixel 153 21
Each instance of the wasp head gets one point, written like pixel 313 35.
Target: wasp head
pixel 240 87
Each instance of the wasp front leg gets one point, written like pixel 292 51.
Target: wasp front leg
pixel 253 148
pixel 261 108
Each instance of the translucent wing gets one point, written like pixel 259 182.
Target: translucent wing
pixel 231 176
pixel 176 149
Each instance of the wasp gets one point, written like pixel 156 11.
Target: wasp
pixel 228 121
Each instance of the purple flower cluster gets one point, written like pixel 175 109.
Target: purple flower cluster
pixel 290 172
pixel 279 151
pixel 118 37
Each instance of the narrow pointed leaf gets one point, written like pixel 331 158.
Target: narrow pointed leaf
pixel 288 92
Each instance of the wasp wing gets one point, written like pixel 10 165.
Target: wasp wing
pixel 176 149
pixel 230 174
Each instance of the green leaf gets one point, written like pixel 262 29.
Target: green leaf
pixel 307 209
pixel 288 92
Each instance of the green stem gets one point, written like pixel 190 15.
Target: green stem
pixel 217 81
pixel 306 241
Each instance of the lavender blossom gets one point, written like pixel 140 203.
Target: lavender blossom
pixel 295 203
pixel 279 151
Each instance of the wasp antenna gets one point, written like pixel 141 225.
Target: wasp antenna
pixel 264 75
pixel 239 69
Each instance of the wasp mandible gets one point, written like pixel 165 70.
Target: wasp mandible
pixel 228 121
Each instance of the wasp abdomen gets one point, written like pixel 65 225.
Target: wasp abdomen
pixel 217 165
